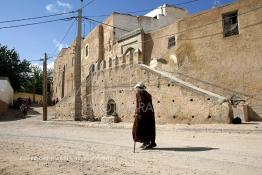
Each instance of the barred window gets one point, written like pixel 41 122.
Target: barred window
pixel 171 41
pixel 230 24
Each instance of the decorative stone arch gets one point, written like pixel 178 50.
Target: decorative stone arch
pixel 123 59
pixel 111 108
pixel 92 68
pixel 110 62
pixel 98 65
pixel 104 64
pixel 116 61
pixel 128 55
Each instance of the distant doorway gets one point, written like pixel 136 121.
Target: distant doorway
pixel 111 108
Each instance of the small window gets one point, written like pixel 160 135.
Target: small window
pixel 87 50
pixel 171 41
pixel 230 24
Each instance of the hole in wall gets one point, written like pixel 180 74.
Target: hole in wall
pixel 193 116
pixel 208 98
pixel 158 101
pixel 173 101
pixel 168 85
pixel 191 99
pixel 209 116
pixel 174 116
pixel 159 116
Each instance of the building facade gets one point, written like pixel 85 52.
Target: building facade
pixel 6 94
pixel 201 68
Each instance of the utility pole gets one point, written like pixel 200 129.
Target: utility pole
pixel 34 90
pixel 45 88
pixel 77 68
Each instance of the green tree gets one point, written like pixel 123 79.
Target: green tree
pixel 35 83
pixel 10 66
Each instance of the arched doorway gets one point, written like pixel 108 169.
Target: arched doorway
pixel 129 52
pixel 111 108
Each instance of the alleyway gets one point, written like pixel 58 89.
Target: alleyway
pixel 30 146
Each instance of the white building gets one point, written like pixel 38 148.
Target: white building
pixel 6 94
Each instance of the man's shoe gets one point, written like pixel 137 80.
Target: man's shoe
pixel 150 146
pixel 144 145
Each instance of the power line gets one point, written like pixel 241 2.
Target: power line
pixel 41 59
pixel 35 23
pixel 194 28
pixel 64 37
pixel 91 1
pixel 45 16
pixel 105 24
pixel 144 10
pixel 38 17
pixel 50 57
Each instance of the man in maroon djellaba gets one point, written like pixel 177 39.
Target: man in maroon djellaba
pixel 144 130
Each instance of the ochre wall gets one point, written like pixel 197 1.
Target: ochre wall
pixel 173 103
pixel 224 65
pixel 38 98
pixel 65 61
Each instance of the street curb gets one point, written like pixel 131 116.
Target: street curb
pixel 220 128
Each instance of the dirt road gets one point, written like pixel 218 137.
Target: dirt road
pixel 30 146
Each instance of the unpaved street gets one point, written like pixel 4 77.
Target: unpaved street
pixel 30 146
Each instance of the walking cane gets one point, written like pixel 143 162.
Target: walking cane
pixel 134 147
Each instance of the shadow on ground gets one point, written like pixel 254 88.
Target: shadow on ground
pixel 16 114
pixel 33 112
pixel 186 149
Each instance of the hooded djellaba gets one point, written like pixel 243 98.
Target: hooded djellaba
pixel 144 130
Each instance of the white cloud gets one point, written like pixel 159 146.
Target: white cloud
pixel 50 65
pixel 58 7
pixel 51 8
pixel 59 45
pixel 40 64
pixel 64 4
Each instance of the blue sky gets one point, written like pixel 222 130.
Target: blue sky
pixel 32 42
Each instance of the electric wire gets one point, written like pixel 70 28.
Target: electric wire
pixel 105 24
pixel 144 10
pixel 193 28
pixel 64 37
pixel 38 17
pixel 90 2
pixel 36 23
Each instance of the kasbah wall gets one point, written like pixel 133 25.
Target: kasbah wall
pixel 224 65
pixel 188 77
